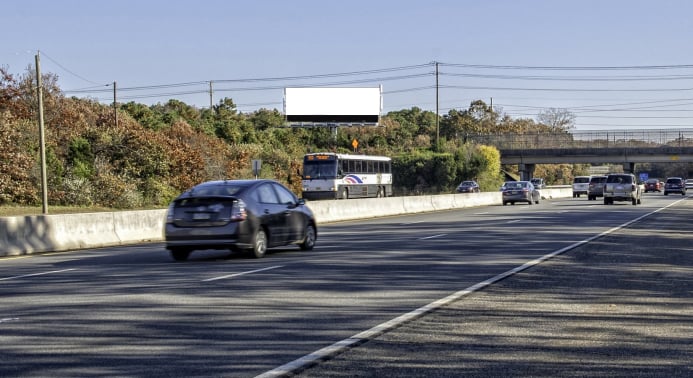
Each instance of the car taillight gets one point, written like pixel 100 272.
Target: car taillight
pixel 238 212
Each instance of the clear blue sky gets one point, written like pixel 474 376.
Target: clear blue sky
pixel 90 44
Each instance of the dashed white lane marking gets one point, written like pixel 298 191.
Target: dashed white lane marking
pixel 35 274
pixel 242 273
pixel 6 320
pixel 432 237
pixel 514 221
pixel 340 346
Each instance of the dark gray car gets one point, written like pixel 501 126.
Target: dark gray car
pixel 520 191
pixel 675 185
pixel 595 188
pixel 468 186
pixel 250 215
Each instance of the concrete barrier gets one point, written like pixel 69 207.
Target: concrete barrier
pixel 45 233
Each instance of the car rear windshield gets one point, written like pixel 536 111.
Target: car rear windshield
pixel 217 190
pixel 620 179
pixel 673 181
pixel 581 180
pixel 598 179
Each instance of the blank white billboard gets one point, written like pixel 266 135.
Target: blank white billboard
pixel 333 105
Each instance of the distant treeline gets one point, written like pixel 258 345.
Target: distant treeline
pixel 155 152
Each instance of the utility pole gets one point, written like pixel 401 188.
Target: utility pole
pixel 437 116
pixel 42 135
pixel 211 93
pixel 115 106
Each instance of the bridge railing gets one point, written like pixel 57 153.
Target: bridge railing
pixel 587 139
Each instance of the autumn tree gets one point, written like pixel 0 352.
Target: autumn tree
pixel 557 119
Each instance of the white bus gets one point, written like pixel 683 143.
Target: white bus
pixel 329 175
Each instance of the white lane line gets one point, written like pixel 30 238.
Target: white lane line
pixel 242 273
pixel 360 338
pixel 514 221
pixel 485 212
pixel 35 274
pixel 8 320
pixel 408 223
pixel 432 237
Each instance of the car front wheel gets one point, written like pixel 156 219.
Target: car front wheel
pixel 309 240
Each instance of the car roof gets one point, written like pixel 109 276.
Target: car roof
pixel 206 188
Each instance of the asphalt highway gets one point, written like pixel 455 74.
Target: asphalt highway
pixel 619 306
pixel 133 311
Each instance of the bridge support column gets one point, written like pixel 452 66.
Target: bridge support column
pixel 629 167
pixel 526 171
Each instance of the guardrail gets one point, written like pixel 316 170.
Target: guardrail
pixel 25 235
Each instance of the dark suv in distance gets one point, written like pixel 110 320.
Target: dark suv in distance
pixel 674 185
pixel 596 187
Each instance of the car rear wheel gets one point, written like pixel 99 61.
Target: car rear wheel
pixel 179 254
pixel 309 240
pixel 259 244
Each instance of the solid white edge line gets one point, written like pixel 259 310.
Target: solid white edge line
pixel 242 273
pixel 341 346
pixel 36 274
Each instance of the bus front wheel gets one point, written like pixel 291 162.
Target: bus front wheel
pixel 344 193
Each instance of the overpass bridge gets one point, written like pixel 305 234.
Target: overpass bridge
pixel 626 147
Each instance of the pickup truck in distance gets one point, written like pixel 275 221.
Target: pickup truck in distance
pixel 622 187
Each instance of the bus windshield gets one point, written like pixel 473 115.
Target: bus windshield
pixel 320 169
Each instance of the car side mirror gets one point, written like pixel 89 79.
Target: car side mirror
pixel 301 202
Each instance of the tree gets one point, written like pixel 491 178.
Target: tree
pixel 144 115
pixel 264 119
pixel 557 119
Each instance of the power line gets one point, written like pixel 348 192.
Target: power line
pixel 570 68
pixel 43 53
